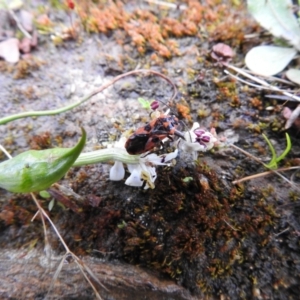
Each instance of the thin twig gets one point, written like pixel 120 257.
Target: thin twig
pixel 257 160
pixel 5 152
pixel 20 26
pixel 68 251
pixel 88 280
pixel 42 211
pixel 279 97
pixel 263 174
pixel 55 276
pixel 273 78
pixel 245 81
pixel 230 225
pixel 256 86
pixel 281 232
pixel 34 216
pixel 262 82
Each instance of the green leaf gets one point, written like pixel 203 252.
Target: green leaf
pixel 11 4
pixel 187 179
pixel 44 194
pixel 287 149
pixel 277 17
pixel 269 60
pixel 293 75
pixel 145 103
pixel 51 204
pixel 122 225
pixel 34 170
pixel 276 159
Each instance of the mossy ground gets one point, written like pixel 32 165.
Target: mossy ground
pixel 196 227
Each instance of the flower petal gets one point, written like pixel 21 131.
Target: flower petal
pixel 132 167
pixel 134 179
pixel 117 171
pixel 171 155
pixel 154 159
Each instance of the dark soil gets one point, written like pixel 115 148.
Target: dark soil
pixel 204 238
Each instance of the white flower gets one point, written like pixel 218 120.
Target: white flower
pixel 145 171
pixel 142 172
pixel 197 139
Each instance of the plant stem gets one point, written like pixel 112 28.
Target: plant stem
pixel 104 155
pixel 71 106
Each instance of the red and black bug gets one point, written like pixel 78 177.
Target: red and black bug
pixel 147 137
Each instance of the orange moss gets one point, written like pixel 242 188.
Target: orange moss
pixel 228 91
pixel 235 101
pixel 43 21
pixel 25 67
pixel 147 31
pixel 184 111
pixel 256 103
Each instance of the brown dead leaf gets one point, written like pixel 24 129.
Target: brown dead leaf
pixel 292 117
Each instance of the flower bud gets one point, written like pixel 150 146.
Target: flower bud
pixel 154 105
pixel 199 132
pixel 204 139
pixel 34 170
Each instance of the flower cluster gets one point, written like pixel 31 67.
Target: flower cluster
pixel 198 140
pixel 143 172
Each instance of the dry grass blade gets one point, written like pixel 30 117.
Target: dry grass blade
pixel 81 268
pixel 5 152
pixel 20 26
pixel 47 244
pixel 245 81
pixel 263 83
pixel 263 174
pixel 56 274
pixel 89 271
pixel 78 261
